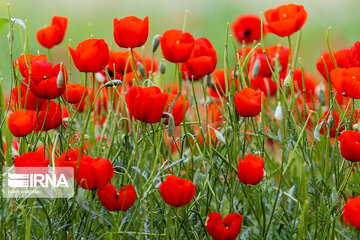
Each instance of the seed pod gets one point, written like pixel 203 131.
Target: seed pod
pixel 60 78
pixel 141 69
pixel 171 126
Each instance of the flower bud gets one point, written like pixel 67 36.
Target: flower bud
pixel 155 43
pixel 208 80
pixel 256 68
pixel 288 79
pixel 60 77
pixel 330 122
pixel 356 127
pixel 162 67
pixel 141 70
pixel 278 112
pixel 99 77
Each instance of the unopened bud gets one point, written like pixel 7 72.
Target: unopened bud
pixel 256 68
pixel 317 132
pixel 330 122
pixel 155 43
pixel 288 79
pixel 356 127
pixel 322 98
pixel 162 67
pixel 277 66
pixel 141 69
pixel 208 80
pixel 60 77
pixel 278 112
pixel 99 77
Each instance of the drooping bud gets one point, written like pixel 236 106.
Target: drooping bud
pixel 141 70
pixel 330 122
pixel 162 66
pixel 317 132
pixel 99 77
pixel 278 112
pixel 60 77
pixel 288 79
pixel 155 43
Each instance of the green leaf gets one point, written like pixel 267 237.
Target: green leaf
pixel 3 21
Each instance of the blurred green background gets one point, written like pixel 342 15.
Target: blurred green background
pixel 207 18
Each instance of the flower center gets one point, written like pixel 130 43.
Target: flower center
pixel 177 42
pixel 284 16
pixel 353 77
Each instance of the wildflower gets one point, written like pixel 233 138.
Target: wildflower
pixel 91 55
pixel 113 200
pixel 248 102
pixel 350 145
pixel 251 169
pixel 176 191
pixel 131 32
pixel 178 109
pixel 21 122
pixel 346 81
pixel 74 92
pixel 351 212
pixel 49 116
pixel 224 229
pixel 52 35
pixel 176 45
pixel 247 28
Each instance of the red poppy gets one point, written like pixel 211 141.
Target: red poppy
pixel 336 118
pixel 28 100
pixel 274 53
pixel 121 60
pixel 350 145
pixel 265 84
pixel 113 200
pixel 355 52
pixel 146 104
pixel 32 160
pixel 285 19
pixel 218 88
pixel 227 229
pixel 248 102
pixel 346 81
pixel 247 28
pixel 203 58
pixel 44 79
pixel 176 191
pixel 94 173
pixel 74 92
pixel 21 122
pixel 178 108
pixel 131 32
pixel 91 55
pixel 25 60
pixel 68 158
pixel 186 74
pixel 176 45
pixel 342 58
pixel 351 212
pixel 251 169
pixel 52 35
pixel 49 116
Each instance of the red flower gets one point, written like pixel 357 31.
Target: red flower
pixel 285 19
pixel 176 191
pixel 49 116
pixel 227 229
pixel 146 104
pixel 178 108
pixel 28 99
pixel 218 88
pixel 248 102
pixel 68 158
pixel 131 32
pixel 21 122
pixel 25 60
pixel 247 28
pixel 342 58
pixel 265 84
pixel 94 173
pixel 346 81
pixel 44 79
pixel 176 45
pixel 74 92
pixel 113 200
pixel 91 55
pixel 52 35
pixel 355 51
pixel 350 145
pixel 251 169
pixel 203 59
pixel 351 212
pixel 32 160
pixel 120 59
